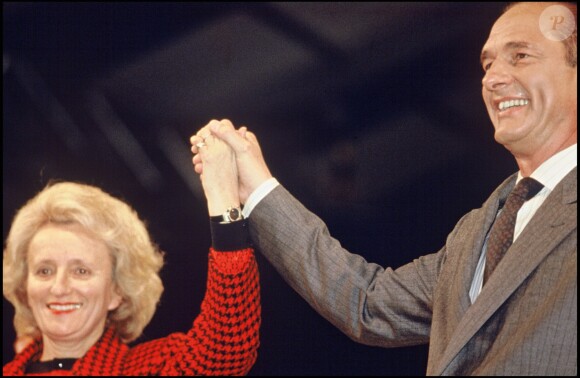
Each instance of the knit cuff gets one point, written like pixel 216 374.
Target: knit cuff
pixel 226 237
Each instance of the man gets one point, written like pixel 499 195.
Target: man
pixel 480 317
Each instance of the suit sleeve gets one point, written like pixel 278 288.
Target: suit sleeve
pixel 370 304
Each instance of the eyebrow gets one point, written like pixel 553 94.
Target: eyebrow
pixel 49 261
pixel 514 45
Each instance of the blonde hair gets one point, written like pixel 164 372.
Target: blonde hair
pixel 136 260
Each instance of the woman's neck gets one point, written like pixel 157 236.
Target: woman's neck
pixel 69 348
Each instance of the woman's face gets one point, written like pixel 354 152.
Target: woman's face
pixel 70 287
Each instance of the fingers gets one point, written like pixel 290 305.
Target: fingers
pixel 234 138
pixel 199 141
pixel 211 133
pixel 200 137
pixel 197 164
pixel 222 127
pixel 216 127
pixel 227 123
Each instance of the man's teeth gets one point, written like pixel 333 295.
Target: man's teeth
pixel 511 103
pixel 68 307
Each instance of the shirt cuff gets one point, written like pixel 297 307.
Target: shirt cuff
pixel 228 237
pixel 258 194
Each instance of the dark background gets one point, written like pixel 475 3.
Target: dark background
pixel 370 113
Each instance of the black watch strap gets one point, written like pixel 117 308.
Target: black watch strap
pixel 232 214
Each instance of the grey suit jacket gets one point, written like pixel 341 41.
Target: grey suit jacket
pixel 524 322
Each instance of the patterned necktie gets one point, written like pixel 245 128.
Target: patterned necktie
pixel 502 231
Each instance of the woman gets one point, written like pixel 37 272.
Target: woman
pixel 82 274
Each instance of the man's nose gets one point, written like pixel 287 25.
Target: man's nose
pixel 497 76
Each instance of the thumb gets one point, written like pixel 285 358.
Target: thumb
pixel 242 131
pixel 251 137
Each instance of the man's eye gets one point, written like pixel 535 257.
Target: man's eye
pixel 520 56
pixel 82 271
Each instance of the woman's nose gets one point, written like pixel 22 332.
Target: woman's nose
pixel 61 284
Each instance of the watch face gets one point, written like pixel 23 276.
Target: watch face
pixel 234 214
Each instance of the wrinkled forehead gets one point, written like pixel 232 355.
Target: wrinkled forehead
pixel 530 23
pixel 522 22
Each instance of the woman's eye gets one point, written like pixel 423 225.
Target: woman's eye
pixel 44 271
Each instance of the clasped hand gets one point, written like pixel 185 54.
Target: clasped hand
pixel 220 152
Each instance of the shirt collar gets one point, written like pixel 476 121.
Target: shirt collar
pixel 553 170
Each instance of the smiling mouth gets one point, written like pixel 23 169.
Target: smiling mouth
pixel 64 307
pixel 509 104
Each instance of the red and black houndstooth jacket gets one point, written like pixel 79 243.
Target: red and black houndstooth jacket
pixel 223 340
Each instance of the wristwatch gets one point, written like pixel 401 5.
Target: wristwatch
pixel 232 214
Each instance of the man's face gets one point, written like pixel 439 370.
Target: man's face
pixel 529 90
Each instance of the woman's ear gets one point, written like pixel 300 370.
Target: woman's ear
pixel 116 299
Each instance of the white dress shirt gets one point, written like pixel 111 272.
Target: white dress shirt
pixel 549 174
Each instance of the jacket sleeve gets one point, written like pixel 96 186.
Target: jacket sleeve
pixel 371 304
pixel 224 338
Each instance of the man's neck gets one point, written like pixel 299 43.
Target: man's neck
pixel 530 159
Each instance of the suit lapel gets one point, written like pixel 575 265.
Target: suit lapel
pixel 553 221
pixel 456 280
pixel 475 245
pixel 490 209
